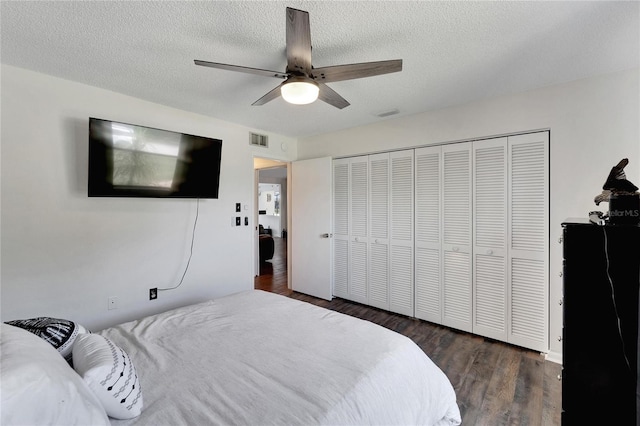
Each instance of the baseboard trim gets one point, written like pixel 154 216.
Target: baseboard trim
pixel 555 357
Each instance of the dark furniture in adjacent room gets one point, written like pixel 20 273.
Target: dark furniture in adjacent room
pixel 600 335
pixel 266 244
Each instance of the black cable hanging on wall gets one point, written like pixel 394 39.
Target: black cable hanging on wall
pixel 193 237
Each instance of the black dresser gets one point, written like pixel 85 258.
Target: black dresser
pixel 600 334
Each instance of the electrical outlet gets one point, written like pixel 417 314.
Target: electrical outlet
pixel 237 207
pixel 153 293
pixel 112 303
pixel 238 221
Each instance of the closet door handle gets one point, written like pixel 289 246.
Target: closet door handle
pixel 489 252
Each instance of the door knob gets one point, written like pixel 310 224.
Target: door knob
pixel 326 235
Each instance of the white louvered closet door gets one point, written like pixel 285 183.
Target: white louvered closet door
pixel 489 231
pixel 428 249
pixel 341 227
pixel 528 225
pixel 359 242
pixel 379 230
pixel 401 232
pixel 456 224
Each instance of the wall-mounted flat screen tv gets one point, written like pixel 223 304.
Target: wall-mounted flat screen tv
pixel 127 160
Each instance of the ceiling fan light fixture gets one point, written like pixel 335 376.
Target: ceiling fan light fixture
pixel 299 91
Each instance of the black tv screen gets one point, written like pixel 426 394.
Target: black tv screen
pixel 127 160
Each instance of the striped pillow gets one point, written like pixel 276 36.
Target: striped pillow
pixel 60 333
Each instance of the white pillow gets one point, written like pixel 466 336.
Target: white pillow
pixel 39 387
pixel 110 374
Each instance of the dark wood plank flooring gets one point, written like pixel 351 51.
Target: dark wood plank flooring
pixel 496 383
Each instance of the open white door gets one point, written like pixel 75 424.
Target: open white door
pixel 310 235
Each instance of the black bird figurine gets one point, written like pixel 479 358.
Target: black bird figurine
pixel 617 180
pixel 616 183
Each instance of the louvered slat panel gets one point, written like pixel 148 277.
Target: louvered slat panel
pixel 528 197
pixel 401 281
pixel 456 228
pixel 490 196
pixel 528 301
pixel 379 205
pixel 427 285
pixel 402 197
pixel 359 196
pixel 340 198
pixel 457 290
pixel 490 304
pixel 379 276
pixel 427 196
pixel 358 281
pixel 401 232
pixel 490 230
pixel 428 293
pixel 358 221
pixel 341 268
pixel 529 240
pixel 379 230
pixel 456 203
pixel 340 239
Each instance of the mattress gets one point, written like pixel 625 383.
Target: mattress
pixel 257 358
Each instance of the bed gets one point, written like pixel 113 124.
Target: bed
pixel 260 358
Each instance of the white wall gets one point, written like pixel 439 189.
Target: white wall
pixel 594 123
pixel 63 254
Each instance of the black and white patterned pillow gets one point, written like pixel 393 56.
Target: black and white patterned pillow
pixel 60 333
pixel 110 374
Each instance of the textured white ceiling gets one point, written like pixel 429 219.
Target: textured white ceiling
pixel 453 52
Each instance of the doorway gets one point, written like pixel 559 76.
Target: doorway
pixel 271 219
pixel 308 233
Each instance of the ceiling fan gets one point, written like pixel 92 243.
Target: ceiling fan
pixel 303 83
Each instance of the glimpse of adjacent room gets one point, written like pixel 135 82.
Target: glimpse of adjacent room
pixel 271 223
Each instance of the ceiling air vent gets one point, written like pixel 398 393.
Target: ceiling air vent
pixel 387 113
pixel 258 140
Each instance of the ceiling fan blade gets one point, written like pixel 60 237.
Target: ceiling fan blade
pixel 352 71
pixel 268 97
pixel 298 41
pixel 265 73
pixel 331 97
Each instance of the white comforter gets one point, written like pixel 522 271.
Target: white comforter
pixel 257 358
